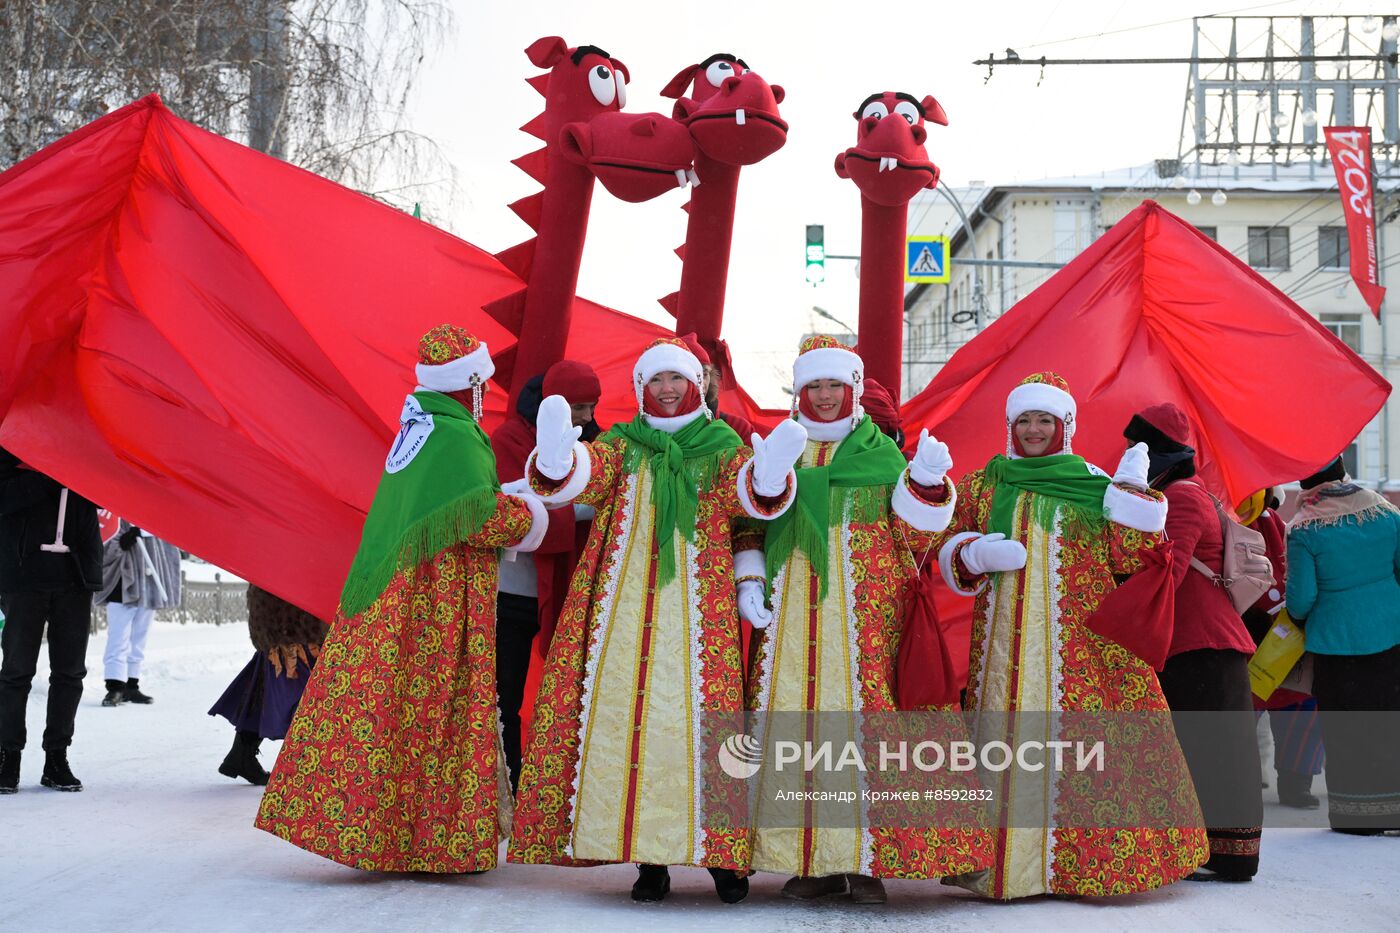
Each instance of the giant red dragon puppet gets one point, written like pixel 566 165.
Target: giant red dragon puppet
pixel 732 115
pixel 587 136
pixel 889 165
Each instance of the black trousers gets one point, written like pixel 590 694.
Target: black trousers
pixel 517 623
pixel 1211 687
pixel 1359 699
pixel 68 615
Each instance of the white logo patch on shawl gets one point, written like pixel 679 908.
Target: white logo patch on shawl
pixel 414 428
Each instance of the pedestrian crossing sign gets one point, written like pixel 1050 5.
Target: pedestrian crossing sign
pixel 926 260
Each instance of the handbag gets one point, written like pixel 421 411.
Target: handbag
pixel 1277 658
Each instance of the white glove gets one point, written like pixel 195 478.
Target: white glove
pixel 931 461
pixel 555 435
pixel 1132 469
pixel 993 554
pixel 516 487
pixel 751 607
pixel 774 456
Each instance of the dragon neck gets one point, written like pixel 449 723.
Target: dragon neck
pixel 709 234
pixel 881 324
pixel 553 278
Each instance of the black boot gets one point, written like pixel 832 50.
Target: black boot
pixel 242 760
pixel 729 886
pixel 57 774
pixel 133 694
pixel 653 883
pixel 116 693
pixel 9 772
pixel 1295 790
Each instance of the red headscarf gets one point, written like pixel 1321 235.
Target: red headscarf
pixel 1056 446
pixel 689 402
pixel 804 405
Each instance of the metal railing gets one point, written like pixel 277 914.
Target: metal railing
pixel 216 603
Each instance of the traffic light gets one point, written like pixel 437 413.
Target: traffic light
pixel 816 254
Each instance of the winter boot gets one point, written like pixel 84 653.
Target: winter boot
pixel 809 889
pixel 653 883
pixel 242 760
pixel 57 774
pixel 133 694
pixel 866 890
pixel 9 772
pixel 729 886
pixel 116 693
pixel 1295 790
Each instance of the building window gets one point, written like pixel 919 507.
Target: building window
pixel 1345 327
pixel 1268 247
pixel 1210 232
pixel 1332 249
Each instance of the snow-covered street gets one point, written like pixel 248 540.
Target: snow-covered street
pixel 159 841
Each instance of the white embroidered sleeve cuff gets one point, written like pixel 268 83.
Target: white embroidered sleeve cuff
pixel 953 575
pixel 748 496
pixel 539 523
pixel 573 484
pixel 1135 509
pixel 921 514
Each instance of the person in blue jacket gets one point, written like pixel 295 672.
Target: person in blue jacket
pixel 1344 589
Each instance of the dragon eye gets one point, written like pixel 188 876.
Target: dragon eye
pixel 874 109
pixel 718 71
pixel 908 111
pixel 600 82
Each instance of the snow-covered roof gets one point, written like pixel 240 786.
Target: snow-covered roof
pixel 1272 178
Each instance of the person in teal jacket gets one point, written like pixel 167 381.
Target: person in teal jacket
pixel 1344 589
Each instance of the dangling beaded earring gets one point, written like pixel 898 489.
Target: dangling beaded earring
pixel 857 390
pixel 477 394
pixel 704 405
pixel 1010 441
pixel 1069 432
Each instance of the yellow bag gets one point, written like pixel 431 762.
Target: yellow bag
pixel 1276 656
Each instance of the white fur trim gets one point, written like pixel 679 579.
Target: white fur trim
pixel 456 375
pixel 539 523
pixel 674 423
pixel 827 363
pixel 1040 396
pixel 836 430
pixel 750 563
pixel 924 516
pixel 1132 510
pixel 667 358
pixel 945 563
pixel 747 503
pixel 576 483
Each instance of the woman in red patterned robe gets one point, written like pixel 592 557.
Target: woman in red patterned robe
pixel 644 677
pixel 1038 536
pixel 393 762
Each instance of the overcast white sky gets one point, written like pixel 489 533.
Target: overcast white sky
pixel 828 56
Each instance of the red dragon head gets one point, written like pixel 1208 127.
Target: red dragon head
pixel 888 163
pixel 635 156
pixel 731 112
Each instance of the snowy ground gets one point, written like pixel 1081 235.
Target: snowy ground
pixel 159 841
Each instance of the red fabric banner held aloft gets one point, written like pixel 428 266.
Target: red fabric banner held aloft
pixel 217 344
pixel 1350 149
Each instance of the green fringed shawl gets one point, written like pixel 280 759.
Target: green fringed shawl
pixel 443 496
pixel 854 486
pixel 682 464
pixel 1060 481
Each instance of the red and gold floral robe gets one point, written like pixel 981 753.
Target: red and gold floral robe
pixel 643 682
pixel 834 656
pixel 391 763
pixel 1032 652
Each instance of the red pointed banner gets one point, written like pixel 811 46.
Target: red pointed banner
pixel 1350 149
pixel 1155 311
pixel 216 344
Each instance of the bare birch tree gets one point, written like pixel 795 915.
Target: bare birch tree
pixel 323 84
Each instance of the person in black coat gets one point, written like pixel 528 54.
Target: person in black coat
pixel 47 577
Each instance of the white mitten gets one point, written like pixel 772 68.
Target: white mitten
pixel 931 461
pixel 774 456
pixel 751 607
pixel 555 435
pixel 1132 469
pixel 993 554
